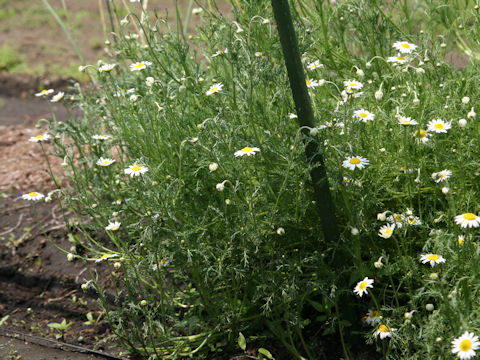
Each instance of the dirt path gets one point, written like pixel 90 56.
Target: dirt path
pixel 34 292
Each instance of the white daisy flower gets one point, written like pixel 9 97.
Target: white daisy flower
pixel 467 220
pixel 442 175
pixel 386 231
pixel 57 97
pixel 460 240
pixel 132 36
pixel 373 317
pixel 105 161
pixel 45 92
pixel 315 65
pixel 421 136
pixel 39 138
pixel 220 52
pixel 113 226
pixel 135 170
pixel 292 116
pixel 214 89
pixel 361 287
pixel 438 126
pixel 258 54
pixel 384 331
pixel 163 263
pixel 105 257
pixel 123 92
pixel 197 10
pixel 404 47
pixel 101 137
pixel 413 220
pixel 433 259
pixel 34 196
pixel 106 67
pixel 397 59
pixel 397 219
pixel 406 121
pixel 311 84
pixel 353 85
pixel 363 115
pixel 355 162
pixel 465 345
pixel 140 65
pixel 246 151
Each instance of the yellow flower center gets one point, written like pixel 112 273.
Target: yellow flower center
pixel 400 58
pixel 214 89
pixel 433 257
pixel 406 46
pixel 39 137
pixel 33 194
pixel 308 82
pixel 374 314
pixel 352 85
pixel 363 115
pixel 438 126
pixel 421 133
pixel 465 345
pixel 163 261
pixel 363 285
pixel 246 149
pixel 44 91
pixel 397 217
pixel 105 256
pixel 469 216
pixel 383 328
pixel 136 168
pixel 139 65
pixel 388 231
pixel 355 161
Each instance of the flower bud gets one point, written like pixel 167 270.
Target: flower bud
pixel 465 100
pixel 149 81
pixel 280 231
pixel 354 231
pixel 471 114
pixel 378 264
pixel 462 123
pixel 379 94
pixel 382 216
pixel 429 307
pixel 70 257
pixel 220 186
pixel 445 190
pixel 212 167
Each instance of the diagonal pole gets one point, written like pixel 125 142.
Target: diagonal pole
pixel 304 110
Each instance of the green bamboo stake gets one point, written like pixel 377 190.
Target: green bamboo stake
pixel 304 110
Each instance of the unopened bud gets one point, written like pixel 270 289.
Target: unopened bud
pixel 471 114
pixel 212 167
